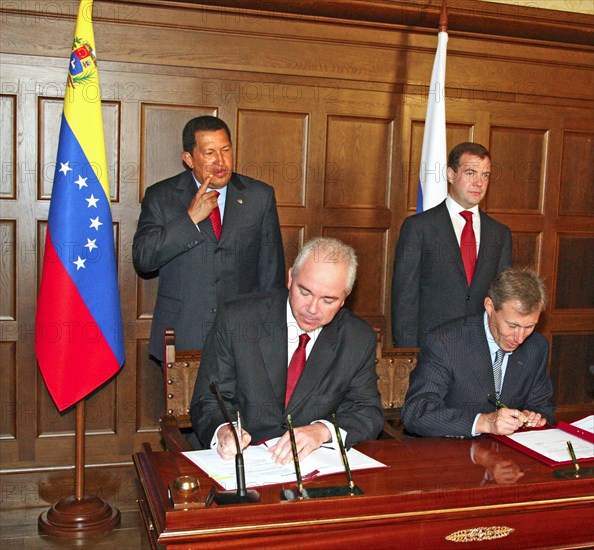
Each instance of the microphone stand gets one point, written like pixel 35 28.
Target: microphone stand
pixel 241 495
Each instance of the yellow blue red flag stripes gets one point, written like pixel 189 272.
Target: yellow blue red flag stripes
pixel 78 329
pixel 433 185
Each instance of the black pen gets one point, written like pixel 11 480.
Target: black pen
pixel 295 456
pixel 345 459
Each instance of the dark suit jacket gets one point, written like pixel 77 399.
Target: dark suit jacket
pixel 247 352
pixel 197 272
pixel 429 285
pixel 454 375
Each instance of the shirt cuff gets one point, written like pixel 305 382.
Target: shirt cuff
pixel 332 443
pixel 215 440
pixel 474 433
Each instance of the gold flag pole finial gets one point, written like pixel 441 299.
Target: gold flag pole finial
pixel 443 17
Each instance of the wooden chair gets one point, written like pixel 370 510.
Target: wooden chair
pixel 180 370
pixel 393 367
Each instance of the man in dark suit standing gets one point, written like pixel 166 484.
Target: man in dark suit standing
pixel 447 256
pixel 470 366
pixel 206 246
pixel 331 369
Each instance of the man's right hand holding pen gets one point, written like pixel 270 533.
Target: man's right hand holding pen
pixel 226 441
pixel 505 421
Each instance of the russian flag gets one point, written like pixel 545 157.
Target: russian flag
pixel 433 185
pixel 78 328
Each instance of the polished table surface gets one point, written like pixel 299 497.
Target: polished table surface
pixel 435 493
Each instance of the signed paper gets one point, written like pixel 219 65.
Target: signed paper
pixel 553 444
pixel 261 470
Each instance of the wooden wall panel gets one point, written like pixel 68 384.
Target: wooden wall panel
pixel 358 162
pixel 368 295
pixel 577 175
pixel 150 390
pixel 8 270
pixel 571 360
pixel 293 239
pixel 328 108
pixel 8 401
pixel 272 146
pixel 517 170
pixel 8 187
pixel 526 249
pixel 575 285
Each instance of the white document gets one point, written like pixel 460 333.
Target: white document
pixel 260 470
pixel 553 444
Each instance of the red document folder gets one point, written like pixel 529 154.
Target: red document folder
pixel 562 426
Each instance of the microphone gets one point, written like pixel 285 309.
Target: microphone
pixel 241 494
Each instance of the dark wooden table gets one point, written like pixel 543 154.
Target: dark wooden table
pixel 436 492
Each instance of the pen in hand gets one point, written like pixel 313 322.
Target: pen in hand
pixel 498 404
pixel 239 432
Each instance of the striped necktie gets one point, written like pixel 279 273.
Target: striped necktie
pixel 497 371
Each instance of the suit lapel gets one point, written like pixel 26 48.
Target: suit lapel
pixel 485 240
pixel 442 224
pixel 479 356
pixel 273 345
pixel 515 375
pixel 187 189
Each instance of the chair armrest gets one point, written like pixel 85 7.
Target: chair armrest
pixel 172 437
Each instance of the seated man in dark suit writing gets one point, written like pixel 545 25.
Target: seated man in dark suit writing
pixel 467 364
pixel 254 348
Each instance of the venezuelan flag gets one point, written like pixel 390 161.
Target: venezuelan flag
pixel 78 329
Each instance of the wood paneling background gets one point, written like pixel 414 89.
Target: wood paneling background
pixel 326 101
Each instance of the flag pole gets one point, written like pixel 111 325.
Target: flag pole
pixel 443 17
pixel 79 515
pixel 81 292
pixel 79 450
pixel 432 187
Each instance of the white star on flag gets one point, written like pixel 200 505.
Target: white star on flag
pixel 95 223
pixel 92 201
pixel 81 182
pixel 64 168
pixel 91 244
pixel 79 263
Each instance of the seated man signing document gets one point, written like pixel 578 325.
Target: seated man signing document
pixel 485 373
pixel 298 352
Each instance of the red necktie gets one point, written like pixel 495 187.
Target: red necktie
pixel 296 366
pixel 215 219
pixel 468 246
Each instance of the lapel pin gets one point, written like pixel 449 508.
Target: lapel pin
pixel 240 201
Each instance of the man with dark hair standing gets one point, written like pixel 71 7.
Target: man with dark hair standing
pixel 209 234
pixel 447 256
pixel 485 373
